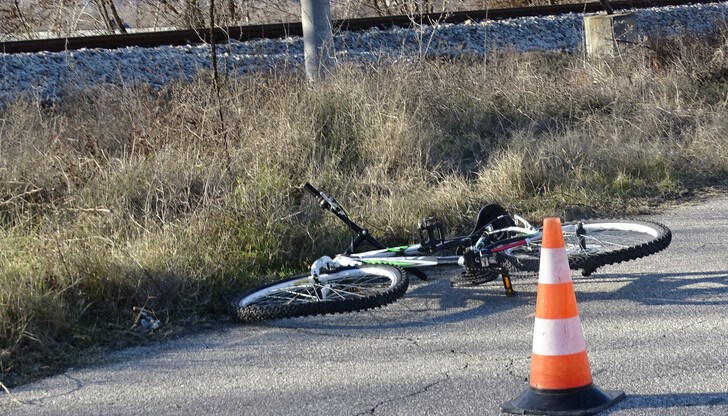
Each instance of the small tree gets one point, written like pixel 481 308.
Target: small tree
pixel 193 15
pixel 407 7
pixel 184 13
pixel 63 17
pixel 15 20
pixel 110 16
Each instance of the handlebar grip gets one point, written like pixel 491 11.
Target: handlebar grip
pixel 311 189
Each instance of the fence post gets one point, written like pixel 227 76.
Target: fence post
pixel 318 38
pixel 610 34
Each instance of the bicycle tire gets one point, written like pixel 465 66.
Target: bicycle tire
pixel 346 290
pixel 608 241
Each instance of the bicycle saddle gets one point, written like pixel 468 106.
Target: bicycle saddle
pixel 488 215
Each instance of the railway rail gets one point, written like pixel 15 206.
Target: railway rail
pixel 279 30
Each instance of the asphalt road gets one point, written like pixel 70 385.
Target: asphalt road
pixel 656 328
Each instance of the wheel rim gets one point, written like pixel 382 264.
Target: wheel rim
pixel 603 237
pixel 342 285
pixel 607 237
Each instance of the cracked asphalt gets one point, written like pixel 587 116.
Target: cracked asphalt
pixel 654 328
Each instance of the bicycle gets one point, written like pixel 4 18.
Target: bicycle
pixel 498 245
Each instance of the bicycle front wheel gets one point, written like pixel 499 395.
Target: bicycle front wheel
pixel 595 243
pixel 345 290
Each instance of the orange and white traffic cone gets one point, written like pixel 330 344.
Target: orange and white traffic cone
pixel 561 382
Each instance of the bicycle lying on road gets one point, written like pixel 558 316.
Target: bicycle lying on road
pixel 498 245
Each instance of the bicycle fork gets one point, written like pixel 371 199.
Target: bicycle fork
pixel 323 264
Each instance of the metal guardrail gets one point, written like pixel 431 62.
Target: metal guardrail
pixel 279 30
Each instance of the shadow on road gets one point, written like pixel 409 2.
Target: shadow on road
pixel 662 401
pixel 435 302
pixel 695 288
pixel 425 304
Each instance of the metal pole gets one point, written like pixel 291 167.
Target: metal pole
pixel 318 38
pixel 607 6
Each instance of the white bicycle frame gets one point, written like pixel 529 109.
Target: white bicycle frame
pixel 410 256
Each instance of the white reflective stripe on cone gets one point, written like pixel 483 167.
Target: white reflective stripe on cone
pixel 554 266
pixel 558 336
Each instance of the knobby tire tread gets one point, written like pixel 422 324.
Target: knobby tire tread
pixel 590 262
pixel 255 313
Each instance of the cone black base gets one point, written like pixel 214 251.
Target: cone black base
pixel 586 400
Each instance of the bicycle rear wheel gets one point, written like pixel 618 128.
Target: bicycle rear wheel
pixel 345 290
pixel 595 243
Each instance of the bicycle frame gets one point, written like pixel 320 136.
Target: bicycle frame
pixel 411 256
pixel 406 256
pixel 498 243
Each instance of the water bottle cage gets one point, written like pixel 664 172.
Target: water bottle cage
pixel 431 233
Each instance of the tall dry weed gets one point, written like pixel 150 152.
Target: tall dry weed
pixel 126 196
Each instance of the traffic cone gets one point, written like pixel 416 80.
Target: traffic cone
pixel 561 382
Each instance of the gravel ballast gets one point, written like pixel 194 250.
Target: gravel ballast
pixel 48 75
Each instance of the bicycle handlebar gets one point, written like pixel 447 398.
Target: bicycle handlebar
pixel 329 203
pixel 311 189
pixel 325 201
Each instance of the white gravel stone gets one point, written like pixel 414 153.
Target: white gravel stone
pixel 47 75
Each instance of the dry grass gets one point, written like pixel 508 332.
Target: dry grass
pixel 125 196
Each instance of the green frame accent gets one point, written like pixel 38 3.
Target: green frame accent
pixel 399 249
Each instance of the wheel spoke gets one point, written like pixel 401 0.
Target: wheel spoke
pixel 594 243
pixel 287 297
pixel 604 241
pixel 361 287
pixel 348 287
pixel 343 290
